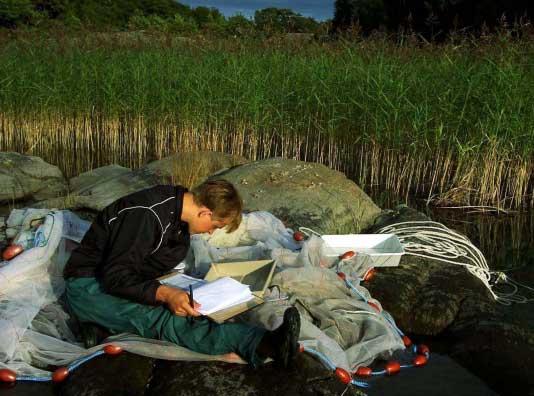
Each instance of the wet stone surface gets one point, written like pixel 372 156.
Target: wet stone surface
pixel 308 377
pixel 128 374
pixel 428 298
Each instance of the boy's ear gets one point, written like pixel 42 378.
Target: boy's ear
pixel 204 212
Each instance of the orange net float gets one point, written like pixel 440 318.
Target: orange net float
pixel 392 367
pixel 422 349
pixel 420 361
pixel 60 374
pixel 363 372
pixel 342 275
pixel 406 341
pixel 112 349
pixel 299 236
pixel 347 255
pixel 343 375
pixel 7 376
pixel 11 251
pixel 369 275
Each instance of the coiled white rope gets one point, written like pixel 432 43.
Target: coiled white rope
pixel 432 240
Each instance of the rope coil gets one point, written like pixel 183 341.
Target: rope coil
pixel 434 241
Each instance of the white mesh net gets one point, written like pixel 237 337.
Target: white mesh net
pixel 35 332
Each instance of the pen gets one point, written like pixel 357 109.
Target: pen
pixel 190 318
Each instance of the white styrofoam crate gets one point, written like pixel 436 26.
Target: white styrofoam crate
pixel 385 250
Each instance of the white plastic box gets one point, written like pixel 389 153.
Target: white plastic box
pixel 384 250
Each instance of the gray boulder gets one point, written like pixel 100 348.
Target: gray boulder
pixel 125 374
pixel 98 188
pixel 429 298
pixel 424 296
pixel 89 181
pixel 23 177
pixel 303 194
pixel 190 168
pixel 496 341
pixel 145 376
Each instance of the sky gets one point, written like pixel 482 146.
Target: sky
pixel 317 9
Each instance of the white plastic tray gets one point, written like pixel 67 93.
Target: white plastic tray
pixel 385 250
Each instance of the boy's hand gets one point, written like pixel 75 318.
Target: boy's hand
pixel 177 301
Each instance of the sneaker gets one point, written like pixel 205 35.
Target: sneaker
pixel 286 338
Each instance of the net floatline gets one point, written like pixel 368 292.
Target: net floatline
pixel 434 241
pixel 421 355
pixel 273 240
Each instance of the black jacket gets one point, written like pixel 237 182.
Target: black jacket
pixel 132 242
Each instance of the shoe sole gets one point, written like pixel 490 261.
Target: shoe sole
pixel 292 322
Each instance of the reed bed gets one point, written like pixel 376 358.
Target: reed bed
pixel 453 123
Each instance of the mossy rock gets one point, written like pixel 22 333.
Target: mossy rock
pixel 303 194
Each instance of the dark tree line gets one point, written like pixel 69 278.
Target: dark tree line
pixel 14 13
pixel 433 18
pixel 166 15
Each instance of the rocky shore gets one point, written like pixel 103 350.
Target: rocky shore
pixel 484 348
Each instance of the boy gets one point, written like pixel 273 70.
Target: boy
pixel 111 276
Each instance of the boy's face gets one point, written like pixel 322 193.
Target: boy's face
pixel 205 222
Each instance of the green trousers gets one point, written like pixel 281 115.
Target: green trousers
pixel 90 303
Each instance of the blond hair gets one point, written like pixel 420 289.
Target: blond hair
pixel 222 198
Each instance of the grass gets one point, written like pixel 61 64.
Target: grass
pixel 452 123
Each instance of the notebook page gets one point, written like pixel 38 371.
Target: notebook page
pixel 220 294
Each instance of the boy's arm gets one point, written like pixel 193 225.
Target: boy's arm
pixel 177 301
pixel 131 239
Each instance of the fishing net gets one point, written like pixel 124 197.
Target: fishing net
pixel 36 332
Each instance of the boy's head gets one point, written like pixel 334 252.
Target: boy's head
pixel 222 199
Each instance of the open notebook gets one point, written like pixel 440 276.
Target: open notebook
pixel 213 296
pixel 228 288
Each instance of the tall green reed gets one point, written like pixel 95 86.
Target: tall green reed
pixel 387 113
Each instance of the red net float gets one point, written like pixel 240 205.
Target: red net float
pixel 347 255
pixel 343 375
pixel 12 251
pixel 406 340
pixel 369 275
pixel 363 372
pixel 299 236
pixel 7 375
pixel 301 348
pixel 392 367
pixel 420 360
pixel 60 374
pixel 342 275
pixel 112 349
pixel 422 349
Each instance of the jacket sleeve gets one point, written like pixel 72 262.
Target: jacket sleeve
pixel 133 236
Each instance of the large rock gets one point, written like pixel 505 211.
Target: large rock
pixel 303 194
pixel 190 168
pixel 89 181
pixel 496 341
pixel 125 374
pixel 438 299
pixel 144 376
pixel 26 177
pixel 424 296
pixel 98 188
pixel 199 378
